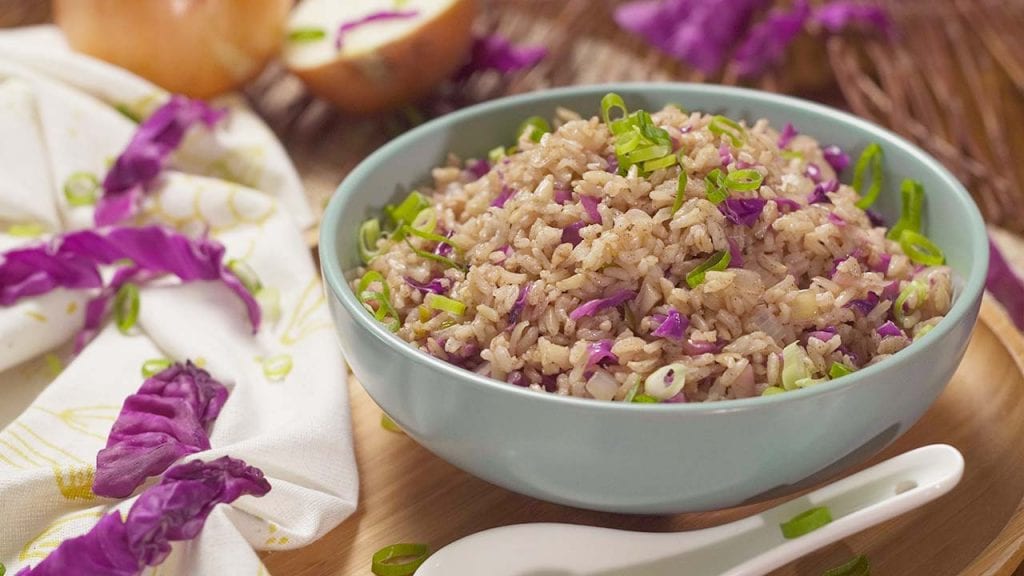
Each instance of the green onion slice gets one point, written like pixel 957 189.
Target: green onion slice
pixel 406 212
pixel 388 424
pixel 245 274
pixel 632 391
pixel 534 128
pixel 717 262
pixel 870 158
pixel 680 190
pixel 806 522
pixel 126 307
pixel 645 399
pixel 715 189
pixel 425 221
pixel 443 303
pixel 658 164
pixel 384 312
pixel 435 257
pixel 154 366
pixel 792 155
pixel 29 230
pixel 369 234
pixel 722 126
pixel 912 195
pixel 838 370
pixel 915 288
pixel 496 154
pixel 744 180
pixel 857 566
pixel 278 367
pixel 920 249
pixel 53 364
pixel 82 189
pixel 794 366
pixel 772 390
pixel 307 34
pixel 610 102
pixel 399 559
pixel 924 330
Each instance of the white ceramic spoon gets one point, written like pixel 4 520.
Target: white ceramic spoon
pixel 747 547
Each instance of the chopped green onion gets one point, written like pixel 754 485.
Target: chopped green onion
pixel 792 155
pixel 679 107
pixel 384 312
pixel 406 212
pixel 445 304
pixel 912 196
pixel 645 399
pixel 611 101
pixel 870 158
pixel 794 366
pixel 915 288
pixel 309 34
pixel 772 390
pixel 388 424
pixel 838 370
pixel 806 522
pixel 714 184
pixel 53 364
pixel 399 559
pixel 126 307
pixel 496 154
pixel 534 128
pixel 717 262
pixel 632 391
pixel 30 230
pixel 722 126
pixel 128 112
pixel 153 366
pixel 369 234
pixel 82 189
pixel 3 569
pixel 269 299
pixel 744 180
pixel 425 221
pixel 924 330
pixel 858 566
pixel 658 164
pixel 435 257
pixel 920 249
pixel 278 367
pixel 432 237
pixel 245 274
pixel 680 190
pixel 805 382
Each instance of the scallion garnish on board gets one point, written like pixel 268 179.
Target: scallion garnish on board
pixel 82 189
pixel 806 522
pixel 155 366
pixel 126 307
pixel 307 34
pixel 399 559
pixel 716 262
pixel 857 566
pixel 870 159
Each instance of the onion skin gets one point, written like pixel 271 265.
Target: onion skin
pixel 398 72
pixel 200 48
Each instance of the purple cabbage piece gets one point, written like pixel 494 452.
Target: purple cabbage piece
pixel 72 261
pixel 875 218
pixel 673 325
pixel 743 211
pixel 494 52
pixel 571 233
pixel 519 305
pixel 836 219
pixel 787 205
pixel 889 329
pixel 813 172
pixel 724 155
pixel 824 334
pixel 563 194
pixel 589 204
pixel 766 44
pixel 592 307
pixel 699 32
pixel 506 193
pixel 836 158
pixel 146 155
pixel 839 15
pixel 435 286
pixel 883 263
pixel 174 510
pixel 1005 285
pixel 478 168
pixel 698 347
pixel 443 248
pixel 820 193
pixel 788 133
pixel 381 16
pixel 613 164
pixel 165 420
pixel 891 290
pixel 600 353
pixel 864 305
pixel 517 378
pixel 735 254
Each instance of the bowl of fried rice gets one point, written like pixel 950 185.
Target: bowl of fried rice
pixel 653 298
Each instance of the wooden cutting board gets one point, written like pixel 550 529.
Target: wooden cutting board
pixel 409 495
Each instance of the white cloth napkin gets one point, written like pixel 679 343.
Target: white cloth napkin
pixel 57 117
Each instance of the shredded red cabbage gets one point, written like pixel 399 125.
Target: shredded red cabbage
pixel 516 378
pixel 590 205
pixel 592 307
pixel 613 164
pixel 883 263
pixel 836 219
pixel 875 218
pixel 735 254
pixel 788 133
pixel 724 155
pixel 563 194
pixel 165 420
pixel 891 290
pixel 813 172
pixel 864 305
pixel 519 305
pixel 435 286
pixel 382 15
pixel 766 43
pixel 147 153
pixel 836 158
pixel 742 211
pixel 494 52
pixel 444 248
pixel 787 205
pixel 824 334
pixel 698 347
pixel 72 261
pixel 672 325
pixel 820 193
pixel 1004 283
pixel 174 510
pixel 506 193
pixel 600 353
pixel 571 233
pixel 478 168
pixel 838 15
pixel 889 329
pixel 679 398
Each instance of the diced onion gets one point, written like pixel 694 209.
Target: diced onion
pixel 602 385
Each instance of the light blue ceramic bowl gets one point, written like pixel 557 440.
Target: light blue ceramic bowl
pixel 647 458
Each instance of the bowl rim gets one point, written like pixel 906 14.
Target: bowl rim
pixel 335 278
